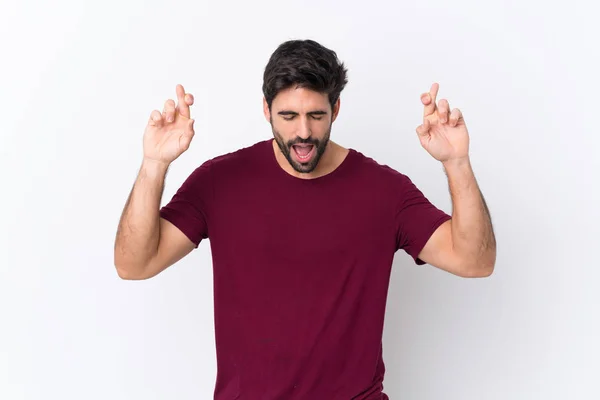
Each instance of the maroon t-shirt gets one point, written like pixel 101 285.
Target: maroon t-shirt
pixel 301 270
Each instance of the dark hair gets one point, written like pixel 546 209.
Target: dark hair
pixel 306 64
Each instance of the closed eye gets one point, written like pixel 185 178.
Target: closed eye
pixel 292 117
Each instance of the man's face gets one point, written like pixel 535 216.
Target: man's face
pixel 301 121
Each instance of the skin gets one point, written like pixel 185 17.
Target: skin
pixel 146 244
pixel 300 115
pixel 466 244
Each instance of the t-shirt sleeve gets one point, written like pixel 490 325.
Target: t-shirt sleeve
pixel 189 207
pixel 416 219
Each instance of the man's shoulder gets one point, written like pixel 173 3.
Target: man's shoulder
pixel 375 169
pixel 239 157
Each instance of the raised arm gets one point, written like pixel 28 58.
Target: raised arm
pixel 146 244
pixel 465 245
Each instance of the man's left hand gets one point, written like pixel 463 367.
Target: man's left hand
pixel 443 133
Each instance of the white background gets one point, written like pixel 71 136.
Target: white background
pixel 78 82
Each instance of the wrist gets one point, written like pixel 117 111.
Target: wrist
pixel 154 167
pixel 458 162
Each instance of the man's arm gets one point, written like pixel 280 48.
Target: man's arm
pixel 466 244
pixel 145 243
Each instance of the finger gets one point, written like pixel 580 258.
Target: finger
pixel 190 127
pixel 423 129
pixel 455 116
pixel 443 109
pixel 189 99
pixel 182 106
pixel 186 138
pixel 425 98
pixel 430 107
pixel 169 111
pixel 156 119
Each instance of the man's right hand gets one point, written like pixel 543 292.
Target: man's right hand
pixel 169 134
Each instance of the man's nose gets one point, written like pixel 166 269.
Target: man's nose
pixel 304 130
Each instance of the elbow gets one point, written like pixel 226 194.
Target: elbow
pixel 481 271
pixel 481 268
pixel 129 272
pixel 124 273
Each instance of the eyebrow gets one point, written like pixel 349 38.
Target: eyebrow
pixel 289 112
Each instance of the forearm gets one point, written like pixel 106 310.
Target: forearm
pixel 472 231
pixel 139 227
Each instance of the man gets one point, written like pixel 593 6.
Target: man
pixel 303 233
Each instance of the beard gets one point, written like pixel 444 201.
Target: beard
pixel 286 149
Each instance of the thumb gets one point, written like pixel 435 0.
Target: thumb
pixel 423 129
pixel 186 138
pixel 190 127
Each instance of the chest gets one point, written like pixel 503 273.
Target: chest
pixel 301 225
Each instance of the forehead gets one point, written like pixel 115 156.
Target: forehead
pixel 300 99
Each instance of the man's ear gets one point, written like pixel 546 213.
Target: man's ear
pixel 266 110
pixel 336 110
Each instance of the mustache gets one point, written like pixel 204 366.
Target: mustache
pixel 302 141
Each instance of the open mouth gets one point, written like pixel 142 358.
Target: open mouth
pixel 304 152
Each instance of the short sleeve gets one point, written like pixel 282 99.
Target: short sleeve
pixel 189 207
pixel 416 219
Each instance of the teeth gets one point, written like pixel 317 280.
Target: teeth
pixel 304 157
